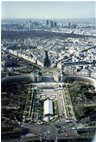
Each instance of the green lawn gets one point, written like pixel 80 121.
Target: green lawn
pixel 55 107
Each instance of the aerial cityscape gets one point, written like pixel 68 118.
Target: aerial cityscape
pixel 48 71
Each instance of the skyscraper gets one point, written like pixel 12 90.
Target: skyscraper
pixel 69 25
pixel 47 22
pixel 55 24
pixel 47 62
pixel 51 24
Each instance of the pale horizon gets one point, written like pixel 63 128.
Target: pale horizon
pixel 48 10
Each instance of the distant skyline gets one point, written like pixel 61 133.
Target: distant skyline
pixel 48 9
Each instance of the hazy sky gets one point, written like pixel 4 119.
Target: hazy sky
pixel 48 9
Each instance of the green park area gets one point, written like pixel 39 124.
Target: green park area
pixel 41 109
pixel 83 97
pixel 55 107
pixel 13 101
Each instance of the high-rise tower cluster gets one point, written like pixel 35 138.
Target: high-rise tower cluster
pixel 51 23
